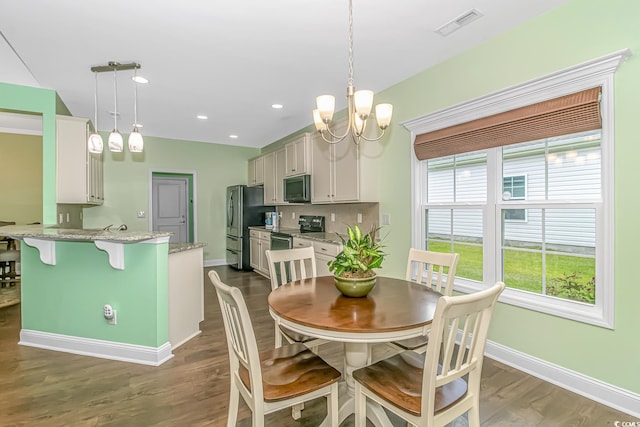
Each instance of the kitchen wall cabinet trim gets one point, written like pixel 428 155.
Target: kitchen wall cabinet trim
pixel 298 155
pixel 345 172
pixel 256 171
pixel 79 173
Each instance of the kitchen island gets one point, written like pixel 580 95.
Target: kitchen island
pixel 69 275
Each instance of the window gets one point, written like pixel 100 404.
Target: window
pixel 535 213
pixel 514 188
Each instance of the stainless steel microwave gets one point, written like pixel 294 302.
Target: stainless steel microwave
pixel 297 189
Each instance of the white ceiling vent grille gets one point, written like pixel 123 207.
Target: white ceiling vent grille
pixel 459 22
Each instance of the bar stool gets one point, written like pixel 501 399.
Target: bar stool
pixel 10 293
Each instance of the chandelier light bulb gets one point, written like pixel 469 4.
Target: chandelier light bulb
pixel 326 104
pixel 383 115
pixel 317 120
pixel 363 100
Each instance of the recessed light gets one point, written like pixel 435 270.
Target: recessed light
pixel 233 136
pixel 276 106
pixel 139 79
pixel 202 117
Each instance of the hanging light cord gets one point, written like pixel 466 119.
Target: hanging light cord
pixel 95 100
pixel 135 99
pixel 115 100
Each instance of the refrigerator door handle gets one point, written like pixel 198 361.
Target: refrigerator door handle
pixel 230 211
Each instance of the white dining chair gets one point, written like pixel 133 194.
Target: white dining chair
pixel 435 388
pixel 286 266
pixel 274 379
pixel 436 270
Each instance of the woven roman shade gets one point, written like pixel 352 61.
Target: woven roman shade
pixel 568 114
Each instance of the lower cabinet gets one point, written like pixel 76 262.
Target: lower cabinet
pixel 259 243
pixel 325 252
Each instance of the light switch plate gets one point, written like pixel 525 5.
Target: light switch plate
pixel 141 214
pixel 386 219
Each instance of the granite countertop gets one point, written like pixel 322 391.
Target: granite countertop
pixel 54 233
pixel 181 247
pixel 326 237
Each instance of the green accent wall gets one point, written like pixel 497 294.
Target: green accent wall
pixel 68 298
pixel 23 99
pixel 127 185
pixel 551 42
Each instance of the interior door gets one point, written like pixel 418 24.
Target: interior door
pixel 170 211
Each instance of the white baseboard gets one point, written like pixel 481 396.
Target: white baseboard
pixel 214 262
pixel 97 348
pixel 607 394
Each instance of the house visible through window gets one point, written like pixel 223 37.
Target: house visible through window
pixel 514 188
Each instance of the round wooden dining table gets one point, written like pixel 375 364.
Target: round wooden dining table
pixel 395 309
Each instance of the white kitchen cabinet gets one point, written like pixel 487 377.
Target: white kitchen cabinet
pixel 298 153
pixel 256 171
pixel 269 163
pixel 274 172
pixel 79 174
pixel 324 252
pixel 259 243
pixel 336 175
pixel 281 168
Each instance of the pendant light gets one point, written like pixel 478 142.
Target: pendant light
pixel 115 139
pixel 94 143
pixel 136 142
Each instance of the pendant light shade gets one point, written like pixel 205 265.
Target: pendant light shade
pixel 94 143
pixel 115 139
pixel 136 143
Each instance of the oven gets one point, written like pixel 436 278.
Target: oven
pixel 281 241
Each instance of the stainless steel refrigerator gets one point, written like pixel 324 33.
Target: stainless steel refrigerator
pixel 244 208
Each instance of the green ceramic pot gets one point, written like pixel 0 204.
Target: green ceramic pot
pixel 355 287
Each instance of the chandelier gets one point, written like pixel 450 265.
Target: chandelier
pixel 359 104
pixel 115 141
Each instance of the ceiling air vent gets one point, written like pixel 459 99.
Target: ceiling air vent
pixel 459 22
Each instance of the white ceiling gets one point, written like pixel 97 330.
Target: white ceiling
pixel 232 59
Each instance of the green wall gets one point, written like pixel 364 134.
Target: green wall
pixel 31 100
pixel 127 191
pixel 551 42
pixel 67 298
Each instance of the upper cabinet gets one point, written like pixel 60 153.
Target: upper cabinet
pixel 298 153
pixel 79 177
pixel 274 171
pixel 344 172
pixel 256 171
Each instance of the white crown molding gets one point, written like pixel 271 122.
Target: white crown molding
pixel 563 82
pixel 123 352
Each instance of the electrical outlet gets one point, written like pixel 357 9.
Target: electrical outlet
pixel 109 314
pixel 333 217
pixel 293 215
pixel 140 214
pixel 386 219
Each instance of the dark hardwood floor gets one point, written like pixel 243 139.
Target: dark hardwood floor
pixel 48 388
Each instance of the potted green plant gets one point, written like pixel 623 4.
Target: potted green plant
pixel 353 268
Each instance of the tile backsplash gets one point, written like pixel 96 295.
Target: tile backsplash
pixel 344 214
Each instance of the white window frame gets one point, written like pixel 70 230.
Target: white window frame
pixel 597 72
